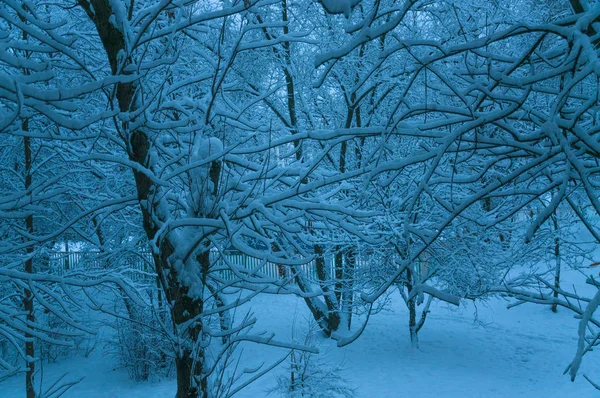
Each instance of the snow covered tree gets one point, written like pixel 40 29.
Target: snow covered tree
pixel 500 102
pixel 411 126
pixel 168 101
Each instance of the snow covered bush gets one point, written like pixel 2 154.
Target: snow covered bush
pixel 78 343
pixel 142 345
pixel 310 375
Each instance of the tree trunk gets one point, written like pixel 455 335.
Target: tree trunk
pixel 333 311
pixel 327 317
pixel 185 310
pixel 348 294
pixel 339 272
pixel 185 313
pixel 186 369
pixel 557 260
pixel 28 295
pixel 412 310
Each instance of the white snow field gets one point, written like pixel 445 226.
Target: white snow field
pixel 485 350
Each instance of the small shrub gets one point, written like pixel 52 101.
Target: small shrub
pixel 310 376
pixel 142 348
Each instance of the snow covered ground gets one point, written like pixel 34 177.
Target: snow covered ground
pixel 473 351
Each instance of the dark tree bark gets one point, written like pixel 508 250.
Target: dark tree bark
pixel 557 265
pixel 28 295
pixel 412 310
pixel 348 293
pixel 333 311
pixel 185 310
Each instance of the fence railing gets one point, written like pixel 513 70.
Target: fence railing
pixel 259 267
pixel 61 262
pixel 141 263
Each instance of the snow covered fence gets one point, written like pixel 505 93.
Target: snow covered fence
pixel 267 269
pixel 141 263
